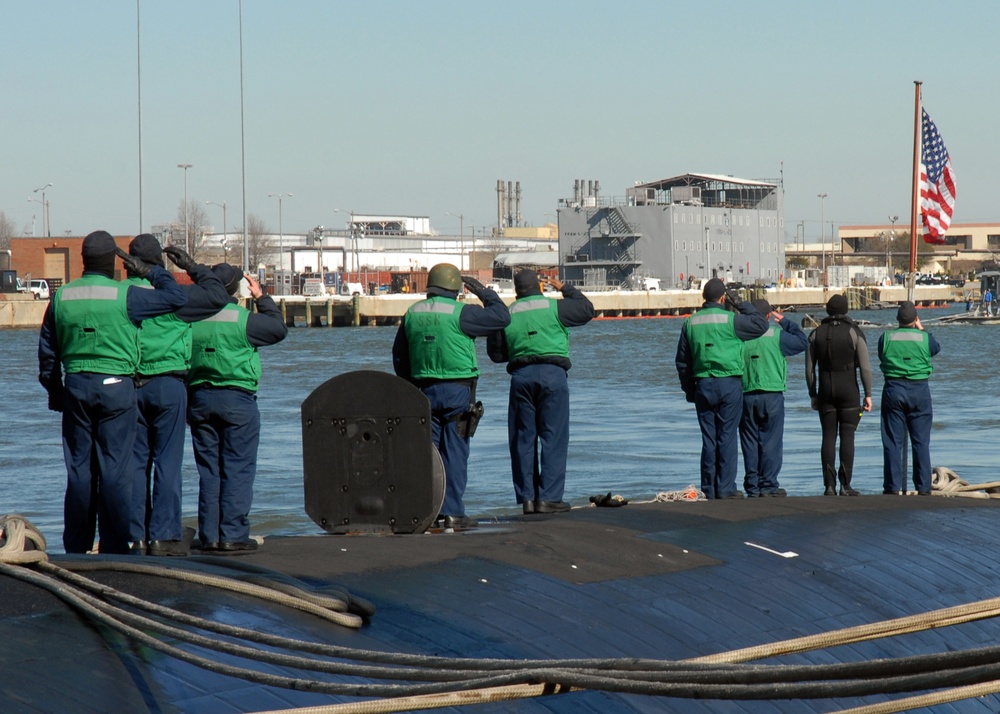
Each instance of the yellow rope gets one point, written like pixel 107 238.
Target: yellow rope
pixel 925 700
pixel 430 701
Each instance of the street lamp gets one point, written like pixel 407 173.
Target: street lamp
pixel 888 245
pixel 354 241
pixel 225 235
pixel 822 226
pixel 281 239
pixel 187 231
pixel 461 245
pixel 46 226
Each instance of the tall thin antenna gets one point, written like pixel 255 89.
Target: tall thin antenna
pixel 138 81
pixel 243 144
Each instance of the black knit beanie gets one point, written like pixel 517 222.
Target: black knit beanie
pixel 99 254
pixel 230 276
pixel 526 283
pixel 146 248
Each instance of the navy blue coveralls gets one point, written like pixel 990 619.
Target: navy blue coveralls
pixel 906 409
pixel 719 403
pixel 449 399
pixel 225 434
pixel 99 427
pixel 762 425
pixel 538 408
pixel 159 441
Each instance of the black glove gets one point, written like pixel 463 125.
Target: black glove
pixel 132 264
pixel 733 299
pixel 475 287
pixel 180 257
pixel 56 399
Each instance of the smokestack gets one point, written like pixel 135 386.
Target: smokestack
pixel 597 188
pixel 517 211
pixel 576 190
pixel 499 206
pixel 510 200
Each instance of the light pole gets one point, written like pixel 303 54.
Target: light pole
pixel 822 226
pixel 281 238
pixel 225 235
pixel 187 231
pixel 461 244
pixel 46 226
pixel 354 241
pixel 888 246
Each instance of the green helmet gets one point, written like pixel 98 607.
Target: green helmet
pixel 444 275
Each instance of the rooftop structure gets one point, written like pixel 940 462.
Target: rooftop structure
pixel 675 229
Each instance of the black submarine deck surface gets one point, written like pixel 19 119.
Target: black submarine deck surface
pixel 663 580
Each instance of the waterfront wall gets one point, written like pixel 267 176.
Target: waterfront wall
pixel 388 309
pixel 336 311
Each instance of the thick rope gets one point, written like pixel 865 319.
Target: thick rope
pixel 338 615
pixel 20 542
pixel 464 682
pixel 926 700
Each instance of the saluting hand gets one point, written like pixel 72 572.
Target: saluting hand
pixel 255 289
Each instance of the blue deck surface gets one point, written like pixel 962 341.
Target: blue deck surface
pixel 475 594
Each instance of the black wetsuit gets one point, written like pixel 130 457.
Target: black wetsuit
pixel 839 350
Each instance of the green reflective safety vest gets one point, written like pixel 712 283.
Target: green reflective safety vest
pixel 715 348
pixel 535 329
pixel 93 328
pixel 438 347
pixel 764 367
pixel 906 354
pixel 164 341
pixel 221 354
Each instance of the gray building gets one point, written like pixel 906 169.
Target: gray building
pixel 690 226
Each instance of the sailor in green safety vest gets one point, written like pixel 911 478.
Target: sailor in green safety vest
pixel 762 425
pixel 161 393
pixel 435 350
pixel 536 348
pixel 905 358
pixel 91 331
pixel 222 410
pixel 709 363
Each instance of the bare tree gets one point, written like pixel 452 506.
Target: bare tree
pixel 197 219
pixel 259 239
pixel 7 230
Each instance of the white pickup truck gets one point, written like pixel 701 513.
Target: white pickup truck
pixel 38 288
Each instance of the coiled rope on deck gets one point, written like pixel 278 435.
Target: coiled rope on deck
pixel 20 542
pixel 432 681
pixel 946 482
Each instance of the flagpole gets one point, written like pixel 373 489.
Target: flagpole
pixel 914 193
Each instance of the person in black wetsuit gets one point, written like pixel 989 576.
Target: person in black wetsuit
pixel 838 351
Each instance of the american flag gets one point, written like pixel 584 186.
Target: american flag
pixel 937 183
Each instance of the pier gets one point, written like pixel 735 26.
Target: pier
pixel 388 310
pixel 382 310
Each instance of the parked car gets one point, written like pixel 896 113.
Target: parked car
pixel 38 288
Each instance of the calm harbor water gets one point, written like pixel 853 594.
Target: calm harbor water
pixel 632 431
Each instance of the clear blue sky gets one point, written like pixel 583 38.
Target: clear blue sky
pixel 417 108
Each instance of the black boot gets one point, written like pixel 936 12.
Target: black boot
pixel 845 484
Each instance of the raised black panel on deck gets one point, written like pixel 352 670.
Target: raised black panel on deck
pixel 368 461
